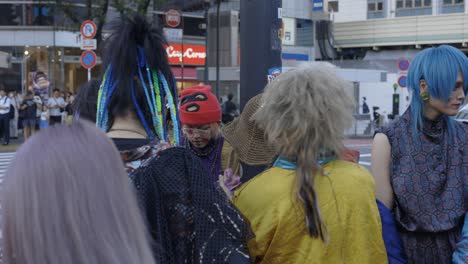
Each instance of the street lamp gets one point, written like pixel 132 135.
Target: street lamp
pixel 207 8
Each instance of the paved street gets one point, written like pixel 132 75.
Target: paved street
pixel 364 146
pixel 5 159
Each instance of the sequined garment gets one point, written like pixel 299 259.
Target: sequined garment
pixel 430 184
pixel 189 219
pixel 137 157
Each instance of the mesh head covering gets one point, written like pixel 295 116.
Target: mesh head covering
pixel 189 219
pixel 247 139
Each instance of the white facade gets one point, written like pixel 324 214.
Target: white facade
pixel 356 10
pixel 350 10
pixel 411 30
pixel 297 9
pixel 42 36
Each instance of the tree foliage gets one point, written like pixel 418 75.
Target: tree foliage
pixel 97 10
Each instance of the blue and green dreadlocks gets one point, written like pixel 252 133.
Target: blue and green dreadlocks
pixel 155 84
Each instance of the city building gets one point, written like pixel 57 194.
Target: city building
pixel 41 37
pixel 385 34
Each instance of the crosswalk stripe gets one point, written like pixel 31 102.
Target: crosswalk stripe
pixel 365 163
pixel 5 160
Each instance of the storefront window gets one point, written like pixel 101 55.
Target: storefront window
pixel 11 14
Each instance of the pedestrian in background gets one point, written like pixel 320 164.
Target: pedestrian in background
pixel 69 108
pixel 365 107
pixel 229 110
pixel 39 103
pixel 56 105
pixel 84 105
pixel 5 105
pixel 44 118
pixel 15 100
pixel 81 210
pixel 28 110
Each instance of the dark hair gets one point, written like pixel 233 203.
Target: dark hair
pixel 29 93
pixel 56 90
pixel 85 103
pixel 121 51
pixel 230 96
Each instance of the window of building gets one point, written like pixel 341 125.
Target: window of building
pixel 375 6
pixel 453 2
pixel 333 6
pixel 375 9
pixel 452 6
pixel 400 4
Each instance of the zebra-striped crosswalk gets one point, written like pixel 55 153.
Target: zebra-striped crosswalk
pixel 5 160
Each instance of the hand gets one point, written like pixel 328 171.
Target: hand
pixel 229 182
pixel 224 187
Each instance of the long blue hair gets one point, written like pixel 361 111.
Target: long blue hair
pixel 439 67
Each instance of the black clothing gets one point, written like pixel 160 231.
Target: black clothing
pixel 189 219
pixel 365 108
pixel 229 112
pixel 29 112
pixel 55 120
pixel 5 127
pixel 250 171
pixel 69 109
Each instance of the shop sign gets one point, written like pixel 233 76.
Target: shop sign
pixel 192 54
pixel 289 28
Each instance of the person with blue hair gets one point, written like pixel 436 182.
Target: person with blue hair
pixel 420 163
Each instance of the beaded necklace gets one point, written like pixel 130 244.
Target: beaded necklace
pixel 217 147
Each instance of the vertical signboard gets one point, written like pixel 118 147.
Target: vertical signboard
pixel 317 5
pixel 289 35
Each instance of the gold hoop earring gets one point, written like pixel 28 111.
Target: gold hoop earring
pixel 424 96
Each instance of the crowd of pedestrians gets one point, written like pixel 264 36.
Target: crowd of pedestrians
pixel 160 179
pixel 24 114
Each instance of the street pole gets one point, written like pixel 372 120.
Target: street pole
pixel 260 27
pixel 217 49
pixel 207 8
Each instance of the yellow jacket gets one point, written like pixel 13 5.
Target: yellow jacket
pixel 348 207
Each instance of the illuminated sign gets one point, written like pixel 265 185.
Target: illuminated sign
pixel 192 55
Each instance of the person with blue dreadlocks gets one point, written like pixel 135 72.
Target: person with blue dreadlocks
pixel 188 217
pixel 420 162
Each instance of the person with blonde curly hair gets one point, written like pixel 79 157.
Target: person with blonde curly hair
pixel 310 207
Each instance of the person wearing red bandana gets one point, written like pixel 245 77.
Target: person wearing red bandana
pixel 200 115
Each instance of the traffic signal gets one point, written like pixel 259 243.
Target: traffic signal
pixel 396 105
